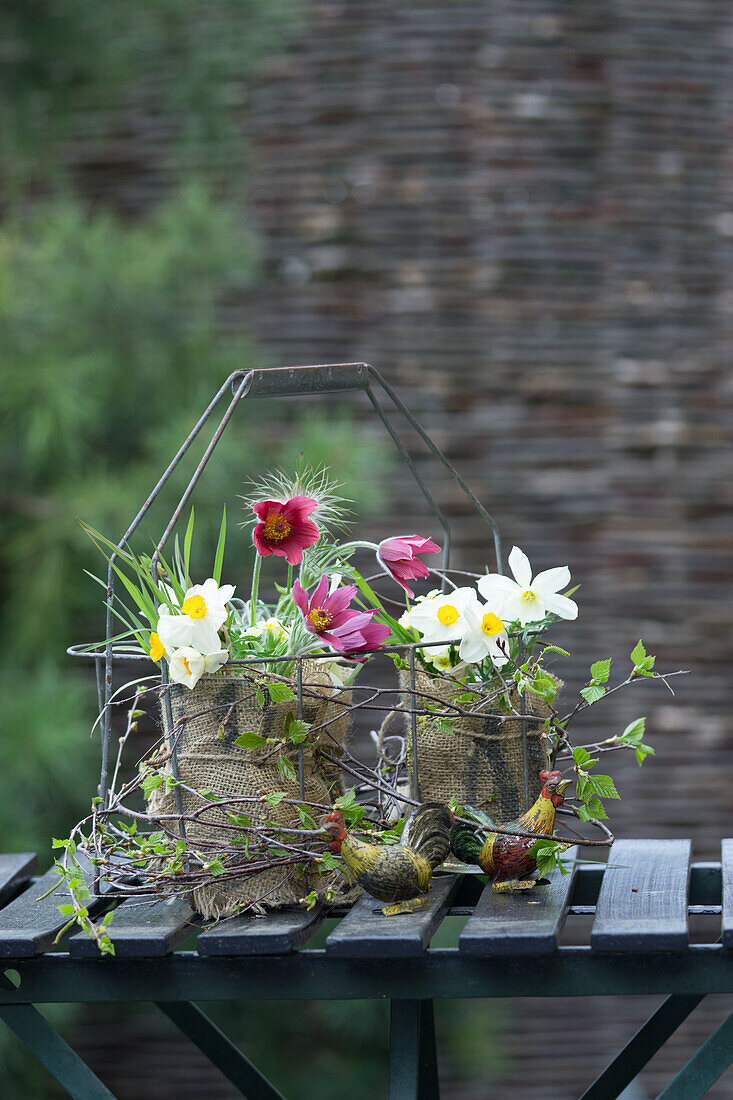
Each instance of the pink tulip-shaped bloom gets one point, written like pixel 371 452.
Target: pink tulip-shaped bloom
pixel 399 557
pixel 368 638
pixel 328 615
pixel 284 528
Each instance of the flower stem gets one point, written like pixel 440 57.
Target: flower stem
pixel 255 587
pixel 349 546
pixel 290 578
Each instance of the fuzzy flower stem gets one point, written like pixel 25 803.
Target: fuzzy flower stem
pixel 347 547
pixel 290 579
pixel 255 587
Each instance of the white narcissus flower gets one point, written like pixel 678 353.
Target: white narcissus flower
pixel 528 599
pixel 203 613
pixel 484 636
pixel 440 618
pixel 187 665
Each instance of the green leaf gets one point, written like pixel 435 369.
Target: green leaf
pixel 280 693
pixel 328 861
pixel 643 662
pixel 250 740
pixel 581 755
pixel 592 693
pixel 215 867
pixel 295 729
pixel 600 671
pixel 544 686
pixel 187 539
pixel 305 818
pixel 642 751
pixel 151 783
pixel 547 855
pixel 276 797
pixel 634 731
pixel 219 556
pixel 260 697
pixel 238 819
pixel 66 910
pixel 344 801
pixel 602 785
pixel 285 768
pixel 592 809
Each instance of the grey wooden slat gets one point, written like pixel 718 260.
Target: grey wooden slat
pixel 523 923
pixel 277 933
pixel 726 868
pixel 642 905
pixel 14 870
pixel 365 931
pixel 28 925
pixel 143 930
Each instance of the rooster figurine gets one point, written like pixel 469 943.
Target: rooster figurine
pixel 401 873
pixel 502 857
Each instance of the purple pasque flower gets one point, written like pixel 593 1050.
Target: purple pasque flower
pixel 398 556
pixel 328 615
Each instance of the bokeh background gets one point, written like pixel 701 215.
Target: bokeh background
pixel 521 212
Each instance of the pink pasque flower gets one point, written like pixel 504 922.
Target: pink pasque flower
pixel 328 615
pixel 368 638
pixel 285 529
pixel 399 557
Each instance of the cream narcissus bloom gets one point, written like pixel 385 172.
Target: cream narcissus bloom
pixel 484 636
pixel 438 658
pixel 527 599
pixel 440 617
pixel 187 665
pixel 272 627
pixel 203 613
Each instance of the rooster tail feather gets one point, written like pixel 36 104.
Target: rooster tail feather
pixel 466 840
pixel 427 832
pixel 480 817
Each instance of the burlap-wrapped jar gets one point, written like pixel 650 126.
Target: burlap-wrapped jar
pixel 479 762
pixel 207 722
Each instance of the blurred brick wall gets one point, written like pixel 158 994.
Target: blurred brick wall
pixel 521 213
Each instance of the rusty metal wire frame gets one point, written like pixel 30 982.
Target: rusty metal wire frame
pixel 273 382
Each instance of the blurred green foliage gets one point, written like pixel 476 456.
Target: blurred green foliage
pixel 74 71
pixel 111 344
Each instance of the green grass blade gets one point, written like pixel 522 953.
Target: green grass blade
pixel 219 556
pixel 188 537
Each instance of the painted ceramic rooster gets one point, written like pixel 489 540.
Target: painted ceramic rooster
pixel 504 858
pixel 397 873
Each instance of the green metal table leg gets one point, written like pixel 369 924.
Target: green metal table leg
pixel 413 1067
pixel 212 1042
pixel 641 1049
pixel 704 1068
pixel 429 1082
pixel 60 1060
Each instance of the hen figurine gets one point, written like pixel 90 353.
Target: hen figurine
pixel 504 858
pixel 397 873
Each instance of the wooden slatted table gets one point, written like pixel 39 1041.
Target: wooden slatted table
pixel 490 945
